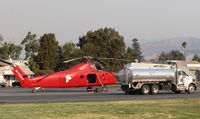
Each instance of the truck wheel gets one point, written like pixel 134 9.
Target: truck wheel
pixel 145 89
pixel 126 92
pixel 154 89
pixel 130 92
pixel 191 88
pixel 177 92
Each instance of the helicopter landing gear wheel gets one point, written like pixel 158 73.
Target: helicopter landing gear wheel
pixel 105 89
pixel 36 89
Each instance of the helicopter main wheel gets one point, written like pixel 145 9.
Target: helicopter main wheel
pixel 105 89
pixel 99 90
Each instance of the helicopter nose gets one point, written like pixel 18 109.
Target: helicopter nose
pixel 117 76
pixel 113 73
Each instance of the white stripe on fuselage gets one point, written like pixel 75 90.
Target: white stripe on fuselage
pixel 19 75
pixel 68 78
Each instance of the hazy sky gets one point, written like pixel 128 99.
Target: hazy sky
pixel 68 19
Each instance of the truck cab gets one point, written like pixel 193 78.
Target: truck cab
pixel 185 82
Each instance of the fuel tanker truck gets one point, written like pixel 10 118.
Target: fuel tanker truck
pixel 149 78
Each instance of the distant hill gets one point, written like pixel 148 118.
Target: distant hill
pixel 152 49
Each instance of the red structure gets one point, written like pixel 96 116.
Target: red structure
pixel 90 74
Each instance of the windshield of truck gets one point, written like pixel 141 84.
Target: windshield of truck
pixel 179 72
pixel 184 74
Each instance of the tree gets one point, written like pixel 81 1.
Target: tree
pixel 66 52
pixel 164 56
pixel 184 46
pixel 48 51
pixel 104 42
pixel 31 45
pixel 8 48
pixel 173 55
pixel 196 58
pixel 134 52
pixel 1 38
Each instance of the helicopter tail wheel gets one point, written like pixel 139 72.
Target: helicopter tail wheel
pixel 97 89
pixel 36 89
pixel 91 89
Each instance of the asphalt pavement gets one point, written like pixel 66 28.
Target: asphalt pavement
pixel 10 95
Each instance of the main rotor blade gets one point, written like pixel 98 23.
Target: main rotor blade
pixel 116 59
pixel 85 57
pixel 6 62
pixel 73 59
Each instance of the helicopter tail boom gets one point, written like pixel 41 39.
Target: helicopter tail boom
pixel 19 74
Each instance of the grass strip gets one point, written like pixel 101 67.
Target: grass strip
pixel 138 109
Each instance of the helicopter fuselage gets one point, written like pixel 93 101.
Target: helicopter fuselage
pixel 80 75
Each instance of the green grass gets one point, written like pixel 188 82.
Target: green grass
pixel 149 109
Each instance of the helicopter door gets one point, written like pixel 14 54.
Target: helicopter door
pixel 91 78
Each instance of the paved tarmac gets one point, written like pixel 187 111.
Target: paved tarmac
pixel 12 95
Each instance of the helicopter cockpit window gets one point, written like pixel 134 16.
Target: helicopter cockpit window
pixel 98 66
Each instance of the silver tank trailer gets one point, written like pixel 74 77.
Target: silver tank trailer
pixel 151 74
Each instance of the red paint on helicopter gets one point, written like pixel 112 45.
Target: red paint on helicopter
pixel 81 75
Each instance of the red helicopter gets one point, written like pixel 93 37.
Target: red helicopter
pixel 90 74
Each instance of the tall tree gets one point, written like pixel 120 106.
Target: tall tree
pixel 48 51
pixel 184 46
pixel 134 52
pixel 164 56
pixel 66 52
pixel 104 42
pixel 31 45
pixel 196 58
pixel 8 48
pixel 1 38
pixel 173 55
